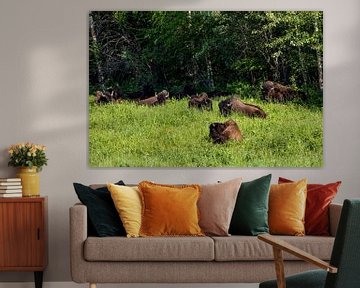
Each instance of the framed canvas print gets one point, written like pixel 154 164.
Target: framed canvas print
pixel 205 88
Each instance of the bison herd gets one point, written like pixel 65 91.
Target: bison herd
pixel 219 132
pixel 272 91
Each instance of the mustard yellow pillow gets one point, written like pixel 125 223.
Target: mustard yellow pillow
pixel 127 201
pixel 169 210
pixel 287 204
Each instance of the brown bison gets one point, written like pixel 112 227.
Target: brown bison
pixel 234 104
pixel 273 91
pixel 158 99
pixel 108 96
pixel 101 98
pixel 222 132
pixel 201 101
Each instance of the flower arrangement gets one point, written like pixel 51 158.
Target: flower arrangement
pixel 27 155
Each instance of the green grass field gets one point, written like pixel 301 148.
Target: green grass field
pixel 129 135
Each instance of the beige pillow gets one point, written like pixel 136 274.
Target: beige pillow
pixel 216 206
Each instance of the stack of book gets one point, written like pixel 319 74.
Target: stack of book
pixel 10 187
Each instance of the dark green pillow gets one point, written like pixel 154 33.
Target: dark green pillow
pixel 103 218
pixel 250 216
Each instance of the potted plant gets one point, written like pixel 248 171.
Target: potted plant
pixel 30 158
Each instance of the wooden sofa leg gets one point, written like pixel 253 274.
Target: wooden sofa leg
pixel 92 285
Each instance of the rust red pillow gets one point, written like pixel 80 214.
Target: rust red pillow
pixel 319 197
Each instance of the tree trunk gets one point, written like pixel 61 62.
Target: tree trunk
pixel 98 62
pixel 319 58
pixel 303 71
pixel 193 65
pixel 209 73
pixel 320 69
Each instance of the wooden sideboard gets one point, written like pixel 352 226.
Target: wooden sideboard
pixel 23 235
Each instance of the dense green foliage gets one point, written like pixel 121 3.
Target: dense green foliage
pixel 129 135
pixel 206 50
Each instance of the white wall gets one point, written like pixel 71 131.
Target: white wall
pixel 43 83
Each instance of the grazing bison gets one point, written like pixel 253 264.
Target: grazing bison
pixel 110 95
pixel 101 97
pixel 155 100
pixel 273 91
pixel 201 101
pixel 222 132
pixel 233 104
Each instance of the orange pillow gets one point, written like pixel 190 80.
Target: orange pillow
pixel 169 210
pixel 287 204
pixel 318 200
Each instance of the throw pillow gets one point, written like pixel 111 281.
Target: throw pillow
pixel 169 210
pixel 250 215
pixel 127 201
pixel 102 214
pixel 287 204
pixel 319 197
pixel 216 206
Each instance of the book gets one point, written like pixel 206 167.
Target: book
pixel 10 191
pixel 9 183
pixel 5 195
pixel 10 179
pixel 10 187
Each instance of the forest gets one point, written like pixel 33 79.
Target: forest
pixel 218 52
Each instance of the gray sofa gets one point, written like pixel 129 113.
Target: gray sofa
pixel 234 259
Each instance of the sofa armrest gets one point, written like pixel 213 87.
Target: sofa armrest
pixel 334 216
pixel 78 235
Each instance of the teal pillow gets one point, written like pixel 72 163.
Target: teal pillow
pixel 250 216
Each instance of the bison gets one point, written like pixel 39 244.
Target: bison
pixel 222 132
pixel 201 101
pixel 108 96
pixel 101 98
pixel 233 104
pixel 273 91
pixel 158 99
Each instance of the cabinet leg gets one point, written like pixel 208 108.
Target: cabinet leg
pixel 38 279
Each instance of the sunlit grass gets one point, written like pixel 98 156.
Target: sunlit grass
pixel 129 135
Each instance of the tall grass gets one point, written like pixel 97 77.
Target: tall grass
pixel 172 135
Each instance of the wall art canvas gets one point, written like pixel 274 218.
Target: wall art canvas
pixel 205 89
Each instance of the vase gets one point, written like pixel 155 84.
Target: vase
pixel 30 181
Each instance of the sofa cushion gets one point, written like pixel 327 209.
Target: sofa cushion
pixel 102 215
pixel 318 199
pixel 245 248
pixel 287 204
pixel 250 215
pixel 169 210
pixel 216 205
pixel 127 201
pixel 149 249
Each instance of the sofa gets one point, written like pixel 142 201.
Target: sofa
pixel 233 259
